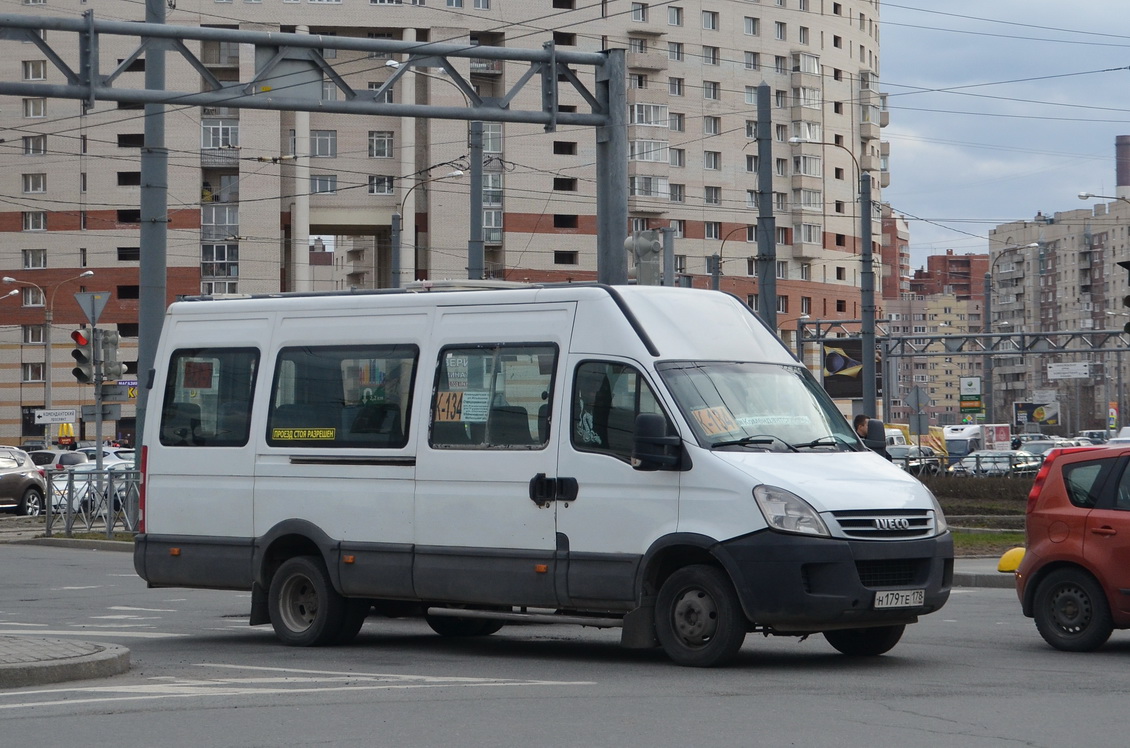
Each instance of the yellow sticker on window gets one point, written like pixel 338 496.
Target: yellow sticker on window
pixel 715 421
pixel 449 406
pixel 303 434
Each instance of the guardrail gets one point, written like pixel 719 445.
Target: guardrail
pixel 91 501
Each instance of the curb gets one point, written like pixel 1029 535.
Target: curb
pixel 34 661
pixel 996 580
pixel 79 543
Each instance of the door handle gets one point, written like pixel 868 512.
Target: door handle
pixel 1104 530
pixel 545 490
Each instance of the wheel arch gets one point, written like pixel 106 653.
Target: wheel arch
pixel 672 552
pixel 1028 604
pixel 290 538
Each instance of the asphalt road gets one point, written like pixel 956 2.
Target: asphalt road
pixel 975 674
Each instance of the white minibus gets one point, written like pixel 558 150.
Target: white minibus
pixel 647 458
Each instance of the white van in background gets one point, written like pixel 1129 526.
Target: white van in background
pixel 638 457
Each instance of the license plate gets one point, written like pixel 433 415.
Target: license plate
pixel 899 599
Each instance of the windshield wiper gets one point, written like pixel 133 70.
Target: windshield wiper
pixel 756 439
pixel 829 440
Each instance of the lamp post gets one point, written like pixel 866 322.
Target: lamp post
pixel 476 255
pixel 49 318
pixel 987 325
pixel 866 280
pixel 394 266
pixel 716 267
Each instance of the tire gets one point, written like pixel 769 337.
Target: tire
pixel 462 627
pixel 356 611
pixel 1071 611
pixel 868 642
pixel 31 505
pixel 698 619
pixel 305 609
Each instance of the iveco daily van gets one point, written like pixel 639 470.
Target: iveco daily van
pixel 646 458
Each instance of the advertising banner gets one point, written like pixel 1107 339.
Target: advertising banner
pixel 1046 414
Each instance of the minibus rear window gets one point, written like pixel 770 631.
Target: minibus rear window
pixel 208 397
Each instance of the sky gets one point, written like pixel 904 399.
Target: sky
pixel 996 114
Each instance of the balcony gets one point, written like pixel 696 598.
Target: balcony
pixel 647 60
pixel 219 158
pixel 486 67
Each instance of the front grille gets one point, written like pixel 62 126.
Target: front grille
pixel 890 573
pixel 886 524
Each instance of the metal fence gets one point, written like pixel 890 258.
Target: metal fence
pixel 91 501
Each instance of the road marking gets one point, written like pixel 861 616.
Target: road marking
pixel 267 681
pixel 143 610
pixel 89 632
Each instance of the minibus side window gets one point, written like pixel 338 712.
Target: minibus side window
pixel 607 397
pixel 493 397
pixel 342 396
pixel 208 397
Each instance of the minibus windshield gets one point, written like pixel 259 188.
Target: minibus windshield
pixel 770 407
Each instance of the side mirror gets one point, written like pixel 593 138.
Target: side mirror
pixel 876 439
pixel 654 448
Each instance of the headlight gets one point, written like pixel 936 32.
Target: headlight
pixel 940 524
pixel 787 512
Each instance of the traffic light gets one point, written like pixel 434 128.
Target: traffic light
pixel 83 354
pixel 112 368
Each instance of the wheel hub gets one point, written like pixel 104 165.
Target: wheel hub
pixel 696 617
pixel 1071 610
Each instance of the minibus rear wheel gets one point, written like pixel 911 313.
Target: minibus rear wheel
pixel 306 610
pixel 698 619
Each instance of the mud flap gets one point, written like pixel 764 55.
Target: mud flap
pixel 639 628
pixel 260 614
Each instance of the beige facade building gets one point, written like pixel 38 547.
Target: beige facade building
pixel 247 187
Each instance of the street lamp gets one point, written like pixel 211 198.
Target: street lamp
pixel 866 280
pixel 394 266
pixel 49 318
pixel 1091 195
pixel 987 325
pixel 716 268
pixel 476 254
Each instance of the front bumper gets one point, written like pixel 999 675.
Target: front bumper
pixel 792 583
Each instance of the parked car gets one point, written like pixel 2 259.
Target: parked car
pixel 1073 576
pixel 1039 447
pixel 110 455
pixel 21 484
pixel 1004 463
pixel 57 459
pixel 915 460
pixel 1097 436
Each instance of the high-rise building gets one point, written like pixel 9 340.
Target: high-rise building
pixel 239 181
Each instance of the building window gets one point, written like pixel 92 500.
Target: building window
pixel 841 305
pixel 711 56
pixel 678 156
pixel 323 143
pixel 31 372
pixel 783 304
pixel 35 183
pixel 34 334
pixel 811 233
pixel 492 188
pixel 564 148
pixel 780 31
pixel 323 184
pixel 35 108
pixel 675 86
pixel 492 137
pixel 380 144
pixel 639 12
pixel 35 70
pixel 380 185
pixel 675 51
pixel 802 35
pixel 678 192
pixel 679 230
pixel 674 16
pixel 35 145
pixel 751 163
pixel 711 90
pixel 710 20
pixel 129 254
pixel 806 305
pixel 219 261
pixel 783 269
pixel 34 259
pixel 752 61
pixel 712 160
pixel 841 273
pixel 34 220
pixel 637 80
pixel 564 258
pixel 32 296
pixel 712 195
pixel 219 133
pixel 647 150
pixel 711 125
pixel 651 115
pixel 809 166
pixel 713 229
pixel 677 122
pixel 806 271
pixel 644 186
pixel 752 26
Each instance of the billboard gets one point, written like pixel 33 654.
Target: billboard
pixel 1045 414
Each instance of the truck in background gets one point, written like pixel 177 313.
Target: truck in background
pixel 964 439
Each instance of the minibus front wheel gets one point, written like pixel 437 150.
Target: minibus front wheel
pixel 306 610
pixel 698 618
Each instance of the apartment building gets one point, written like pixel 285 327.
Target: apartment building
pixel 249 188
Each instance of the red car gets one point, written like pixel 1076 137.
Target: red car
pixel 1074 578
